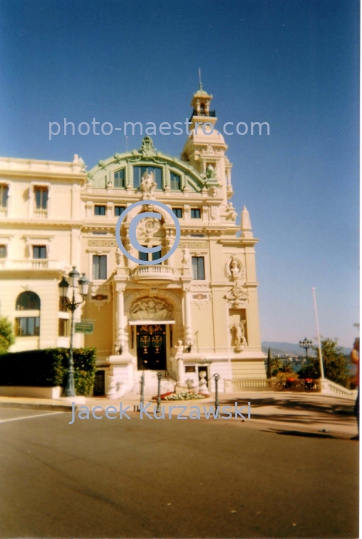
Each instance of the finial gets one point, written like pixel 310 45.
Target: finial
pixel 200 83
pixel 245 224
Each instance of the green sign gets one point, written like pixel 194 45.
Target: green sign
pixel 83 327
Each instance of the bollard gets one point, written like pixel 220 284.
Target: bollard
pixel 142 394
pixel 217 378
pixel 158 409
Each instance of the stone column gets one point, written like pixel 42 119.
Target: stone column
pixel 188 322
pixel 121 337
pixel 180 370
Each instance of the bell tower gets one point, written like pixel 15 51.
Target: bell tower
pixel 205 147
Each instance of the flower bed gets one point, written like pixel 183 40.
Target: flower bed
pixel 188 395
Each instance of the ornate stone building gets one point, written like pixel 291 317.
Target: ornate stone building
pixel 194 313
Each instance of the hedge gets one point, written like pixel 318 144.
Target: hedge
pixel 48 368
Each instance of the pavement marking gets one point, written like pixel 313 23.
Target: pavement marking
pixel 29 417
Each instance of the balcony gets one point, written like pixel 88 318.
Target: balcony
pixel 40 214
pixel 155 273
pixel 39 264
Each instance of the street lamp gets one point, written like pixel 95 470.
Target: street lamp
pixel 306 345
pixel 64 287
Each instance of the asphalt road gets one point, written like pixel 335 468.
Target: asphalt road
pixel 169 478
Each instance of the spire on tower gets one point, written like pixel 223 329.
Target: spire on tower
pixel 245 224
pixel 200 83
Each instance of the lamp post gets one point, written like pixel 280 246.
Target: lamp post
pixel 64 286
pixel 217 378
pixel 306 345
pixel 158 407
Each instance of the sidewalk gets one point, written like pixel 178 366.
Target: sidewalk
pixel 307 412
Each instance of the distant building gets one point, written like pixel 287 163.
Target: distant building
pixel 54 216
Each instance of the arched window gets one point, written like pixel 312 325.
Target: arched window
pixel 28 301
pixel 119 178
pixel 27 326
pixel 138 172
pixel 175 180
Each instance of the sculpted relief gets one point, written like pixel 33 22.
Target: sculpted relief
pixel 150 309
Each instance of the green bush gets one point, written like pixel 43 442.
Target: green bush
pixel 6 335
pixel 48 368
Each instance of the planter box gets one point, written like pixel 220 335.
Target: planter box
pixel 35 392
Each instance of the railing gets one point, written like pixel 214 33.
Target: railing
pixel 6 264
pixel 155 272
pixel 331 387
pixel 40 214
pixel 238 384
pixel 210 114
pixel 272 384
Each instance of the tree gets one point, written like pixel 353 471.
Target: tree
pixel 6 335
pixel 268 368
pixel 334 362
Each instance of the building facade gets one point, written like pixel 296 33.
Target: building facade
pixel 194 313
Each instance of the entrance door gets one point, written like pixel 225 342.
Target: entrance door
pixel 99 384
pixel 151 347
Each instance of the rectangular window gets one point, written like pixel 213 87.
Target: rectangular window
pixel 198 268
pixel 63 327
pixel 195 213
pixel 197 235
pixel 175 180
pixel 39 251
pixel 119 179
pixel 118 210
pixel 41 198
pixel 143 256
pixel 2 251
pixel 4 190
pixel 99 210
pixel 177 212
pixel 157 255
pixel 27 326
pixel 99 267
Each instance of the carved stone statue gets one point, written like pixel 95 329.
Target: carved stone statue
pixel 239 336
pixel 210 172
pixel 148 184
pixel 202 382
pixel 118 257
pixel 234 268
pixel 179 349
pixel 230 212
pixel 185 255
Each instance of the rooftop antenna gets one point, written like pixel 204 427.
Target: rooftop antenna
pixel 200 83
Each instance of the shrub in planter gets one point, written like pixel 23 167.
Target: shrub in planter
pixel 48 368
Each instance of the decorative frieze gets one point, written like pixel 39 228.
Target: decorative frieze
pixel 102 243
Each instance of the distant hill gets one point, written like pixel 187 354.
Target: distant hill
pixel 285 348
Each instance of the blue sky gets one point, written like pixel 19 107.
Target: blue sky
pixel 291 63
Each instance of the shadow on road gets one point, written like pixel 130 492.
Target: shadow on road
pixel 306 434
pixel 290 409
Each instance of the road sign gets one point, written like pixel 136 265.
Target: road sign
pixel 83 327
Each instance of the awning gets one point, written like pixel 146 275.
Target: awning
pixel 150 322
